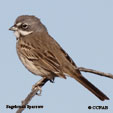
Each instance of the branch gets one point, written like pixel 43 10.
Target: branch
pixel 39 84
pixel 109 75
pixel 34 91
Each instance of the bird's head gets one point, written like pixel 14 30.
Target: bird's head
pixel 26 24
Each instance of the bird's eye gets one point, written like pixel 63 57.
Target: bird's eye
pixel 24 26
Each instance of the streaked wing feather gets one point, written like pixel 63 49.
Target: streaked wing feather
pixel 44 59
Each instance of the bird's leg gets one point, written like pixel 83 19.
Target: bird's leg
pixel 39 84
pixel 36 85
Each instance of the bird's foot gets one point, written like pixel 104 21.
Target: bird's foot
pixel 39 89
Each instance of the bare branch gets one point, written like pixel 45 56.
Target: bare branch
pixel 109 75
pixel 39 84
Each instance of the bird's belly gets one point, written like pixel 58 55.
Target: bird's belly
pixel 32 68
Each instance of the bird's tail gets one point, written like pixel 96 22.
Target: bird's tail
pixel 91 87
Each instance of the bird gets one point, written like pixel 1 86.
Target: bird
pixel 41 54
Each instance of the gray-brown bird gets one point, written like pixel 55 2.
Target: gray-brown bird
pixel 43 56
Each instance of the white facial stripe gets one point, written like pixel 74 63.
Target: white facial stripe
pixel 18 24
pixel 24 33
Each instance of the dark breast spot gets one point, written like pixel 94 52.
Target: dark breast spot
pixel 25 46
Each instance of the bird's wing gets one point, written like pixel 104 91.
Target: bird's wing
pixel 44 59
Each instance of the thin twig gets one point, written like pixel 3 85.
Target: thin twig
pixel 109 75
pixel 32 94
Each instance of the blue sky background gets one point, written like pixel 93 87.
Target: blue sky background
pixel 84 28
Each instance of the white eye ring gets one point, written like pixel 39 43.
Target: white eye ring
pixel 24 26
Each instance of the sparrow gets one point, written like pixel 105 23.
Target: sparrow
pixel 43 56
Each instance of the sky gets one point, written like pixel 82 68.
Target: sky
pixel 84 28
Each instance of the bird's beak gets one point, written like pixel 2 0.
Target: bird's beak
pixel 13 28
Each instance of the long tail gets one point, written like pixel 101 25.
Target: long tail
pixel 91 87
